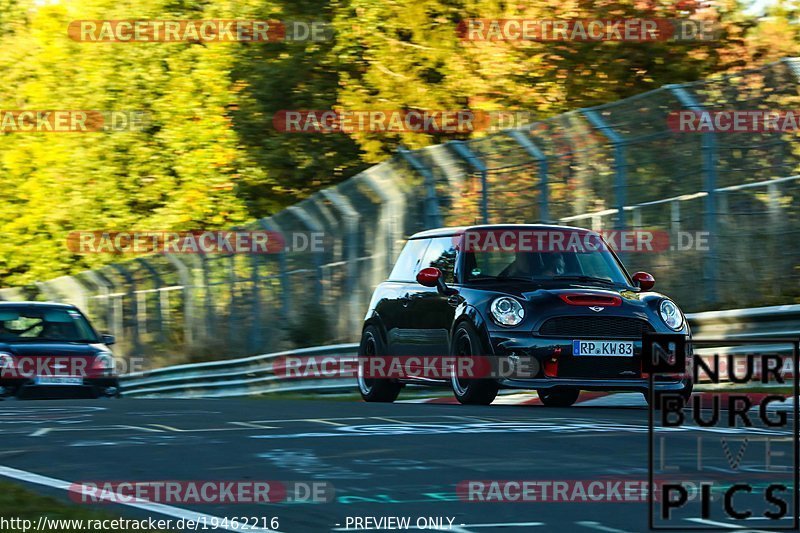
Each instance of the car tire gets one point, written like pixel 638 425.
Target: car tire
pixel 470 391
pixel 558 397
pixel 372 389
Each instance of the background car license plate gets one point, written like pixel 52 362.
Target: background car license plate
pixel 58 380
pixel 603 348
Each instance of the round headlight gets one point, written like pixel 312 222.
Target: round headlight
pixel 671 315
pixel 104 361
pixel 507 311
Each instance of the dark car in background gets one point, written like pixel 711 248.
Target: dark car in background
pixel 51 350
pixel 556 296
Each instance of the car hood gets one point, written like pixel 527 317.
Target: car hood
pixel 590 299
pixel 575 299
pixel 52 349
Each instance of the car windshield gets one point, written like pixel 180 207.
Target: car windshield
pixel 594 267
pixel 34 324
pixel 541 255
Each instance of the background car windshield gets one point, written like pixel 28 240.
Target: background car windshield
pixel 21 324
pixel 543 266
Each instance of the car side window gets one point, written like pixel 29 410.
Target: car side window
pixel 442 253
pixel 405 269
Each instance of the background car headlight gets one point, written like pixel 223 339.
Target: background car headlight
pixel 104 361
pixel 507 311
pixel 671 315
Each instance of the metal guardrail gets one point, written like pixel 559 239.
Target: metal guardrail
pixel 235 377
pixel 256 374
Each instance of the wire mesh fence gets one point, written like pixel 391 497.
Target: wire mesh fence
pixel 728 203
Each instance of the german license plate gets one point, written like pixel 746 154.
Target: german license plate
pixel 58 380
pixel 602 348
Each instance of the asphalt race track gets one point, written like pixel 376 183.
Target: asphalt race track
pixel 384 460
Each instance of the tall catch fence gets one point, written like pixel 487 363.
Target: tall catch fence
pixel 729 202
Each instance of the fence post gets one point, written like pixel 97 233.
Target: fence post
pixel 49 292
pixel 133 321
pixel 433 215
pixel 115 305
pixel 208 297
pixel 463 150
pixel 158 283
pixel 620 163
pixel 188 298
pixel 350 218
pixel 312 224
pixel 709 153
pixel 391 222
pixel 102 283
pixel 544 188
pixel 286 288
pixel 255 305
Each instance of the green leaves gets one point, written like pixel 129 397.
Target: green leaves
pixel 209 155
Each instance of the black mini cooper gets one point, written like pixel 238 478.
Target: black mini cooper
pixel 555 297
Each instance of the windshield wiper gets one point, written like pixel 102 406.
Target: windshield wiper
pixel 591 279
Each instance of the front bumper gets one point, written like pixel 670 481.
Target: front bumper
pixel 633 385
pixel 559 368
pixel 26 388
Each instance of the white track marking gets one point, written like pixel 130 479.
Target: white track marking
pixel 725 525
pixel 622 399
pixel 513 399
pixel 600 527
pixel 252 426
pixel 324 421
pixel 160 508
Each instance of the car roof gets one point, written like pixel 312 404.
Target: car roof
pixel 37 304
pixel 448 232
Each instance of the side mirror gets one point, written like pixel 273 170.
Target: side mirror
pixel 432 277
pixel 107 339
pixel 644 280
pixel 429 277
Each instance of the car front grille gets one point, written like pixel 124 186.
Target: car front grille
pixel 595 327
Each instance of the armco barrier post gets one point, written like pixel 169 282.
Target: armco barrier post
pixel 544 188
pixel 462 149
pixel 709 154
